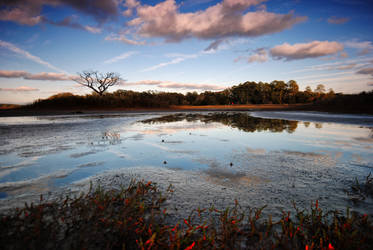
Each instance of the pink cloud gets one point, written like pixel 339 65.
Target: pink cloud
pixel 22 15
pixel 28 12
pixel 19 89
pixel 13 73
pixel 131 4
pixel 143 82
pixel 365 47
pixel 71 23
pixel 174 85
pixel 260 55
pixel 225 19
pixel 366 71
pixel 305 50
pixel 51 76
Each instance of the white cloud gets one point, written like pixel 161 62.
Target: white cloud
pixel 179 58
pixel 120 57
pixel 124 39
pixel 94 30
pixel 27 55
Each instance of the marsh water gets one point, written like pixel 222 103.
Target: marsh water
pixel 260 158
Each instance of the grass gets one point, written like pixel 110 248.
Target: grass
pixel 361 191
pixel 135 217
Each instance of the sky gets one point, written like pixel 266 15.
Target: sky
pixel 181 46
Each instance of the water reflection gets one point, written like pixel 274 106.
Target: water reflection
pixel 111 137
pixel 242 121
pixel 261 160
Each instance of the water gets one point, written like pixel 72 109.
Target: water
pixel 260 160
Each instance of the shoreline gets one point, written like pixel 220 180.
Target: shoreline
pixel 186 108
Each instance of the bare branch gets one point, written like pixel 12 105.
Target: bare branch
pixel 98 82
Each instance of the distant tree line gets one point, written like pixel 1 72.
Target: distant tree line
pixel 276 92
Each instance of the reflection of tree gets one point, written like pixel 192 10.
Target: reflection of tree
pixel 241 121
pixel 108 138
pixel 318 125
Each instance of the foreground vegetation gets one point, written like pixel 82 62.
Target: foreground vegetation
pixel 135 217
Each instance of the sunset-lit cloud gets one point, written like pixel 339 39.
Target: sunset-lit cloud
pixel 175 85
pixel 51 76
pixel 305 50
pixel 366 71
pixel 19 89
pixel 193 44
pixel 22 15
pixel 71 23
pixel 260 55
pixel 28 12
pixel 226 19
pixel 361 62
pixel 364 47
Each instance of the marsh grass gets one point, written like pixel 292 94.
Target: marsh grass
pixel 136 217
pixel 360 191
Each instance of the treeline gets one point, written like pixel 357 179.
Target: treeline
pixel 276 92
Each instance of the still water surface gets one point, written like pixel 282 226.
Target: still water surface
pixel 274 160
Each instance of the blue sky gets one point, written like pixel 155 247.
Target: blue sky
pixel 180 46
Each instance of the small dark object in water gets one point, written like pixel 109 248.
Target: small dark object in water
pixel 190 133
pixel 162 140
pixel 165 162
pixel 231 164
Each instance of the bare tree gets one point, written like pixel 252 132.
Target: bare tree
pixel 98 82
